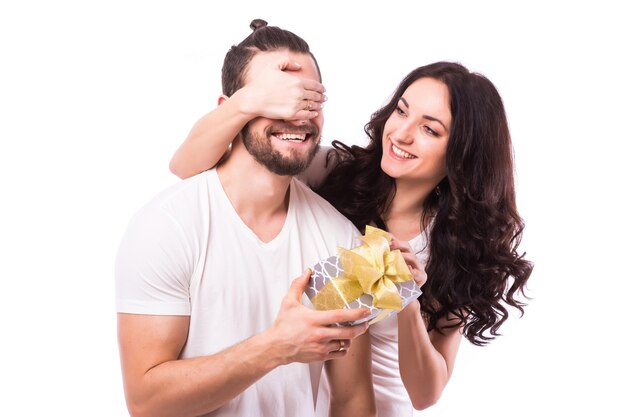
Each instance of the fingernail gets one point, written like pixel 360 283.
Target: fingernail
pixel 325 97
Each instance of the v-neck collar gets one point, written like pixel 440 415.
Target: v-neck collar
pixel 244 228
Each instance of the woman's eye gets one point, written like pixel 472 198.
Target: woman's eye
pixel 400 111
pixel 430 131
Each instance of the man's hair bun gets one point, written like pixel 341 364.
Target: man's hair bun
pixel 257 24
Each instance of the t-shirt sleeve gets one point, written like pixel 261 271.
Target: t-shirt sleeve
pixel 319 168
pixel 154 265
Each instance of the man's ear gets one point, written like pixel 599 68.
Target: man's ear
pixel 222 98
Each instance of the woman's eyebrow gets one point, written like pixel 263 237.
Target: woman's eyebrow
pixel 427 117
pixel 434 119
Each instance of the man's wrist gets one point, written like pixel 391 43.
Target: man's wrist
pixel 273 355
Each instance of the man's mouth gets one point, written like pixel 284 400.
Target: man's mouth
pixel 292 137
pixel 294 134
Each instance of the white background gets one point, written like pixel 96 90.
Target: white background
pixel 96 96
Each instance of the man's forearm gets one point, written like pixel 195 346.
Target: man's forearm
pixel 350 379
pixel 192 387
pixel 158 384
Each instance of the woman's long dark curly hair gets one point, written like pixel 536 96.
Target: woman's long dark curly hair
pixel 474 269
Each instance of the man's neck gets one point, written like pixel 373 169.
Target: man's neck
pixel 259 196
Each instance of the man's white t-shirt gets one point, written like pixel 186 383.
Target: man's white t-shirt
pixel 189 253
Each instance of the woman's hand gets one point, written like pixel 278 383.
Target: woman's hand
pixel 415 266
pixel 277 93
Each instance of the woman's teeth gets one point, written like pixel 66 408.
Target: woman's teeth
pixel 402 154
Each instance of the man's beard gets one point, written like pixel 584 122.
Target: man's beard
pixel 259 145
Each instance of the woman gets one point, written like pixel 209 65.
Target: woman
pixel 438 175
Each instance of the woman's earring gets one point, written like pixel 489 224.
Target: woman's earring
pixel 437 191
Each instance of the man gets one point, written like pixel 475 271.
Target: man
pixel 204 325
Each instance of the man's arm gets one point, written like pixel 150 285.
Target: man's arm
pixel 158 383
pixel 350 380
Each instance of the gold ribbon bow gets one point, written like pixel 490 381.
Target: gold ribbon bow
pixel 372 268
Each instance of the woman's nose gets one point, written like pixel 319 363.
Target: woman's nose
pixel 405 133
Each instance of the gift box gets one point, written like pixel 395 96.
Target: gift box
pixel 370 275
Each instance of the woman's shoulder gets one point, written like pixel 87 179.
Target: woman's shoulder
pixel 420 243
pixel 323 162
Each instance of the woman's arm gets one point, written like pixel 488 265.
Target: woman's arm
pixel 426 358
pixel 275 94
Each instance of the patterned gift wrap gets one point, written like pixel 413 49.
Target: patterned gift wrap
pixel 331 287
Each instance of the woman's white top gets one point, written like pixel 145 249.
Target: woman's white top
pixel 392 399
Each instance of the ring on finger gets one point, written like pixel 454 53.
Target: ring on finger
pixel 342 346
